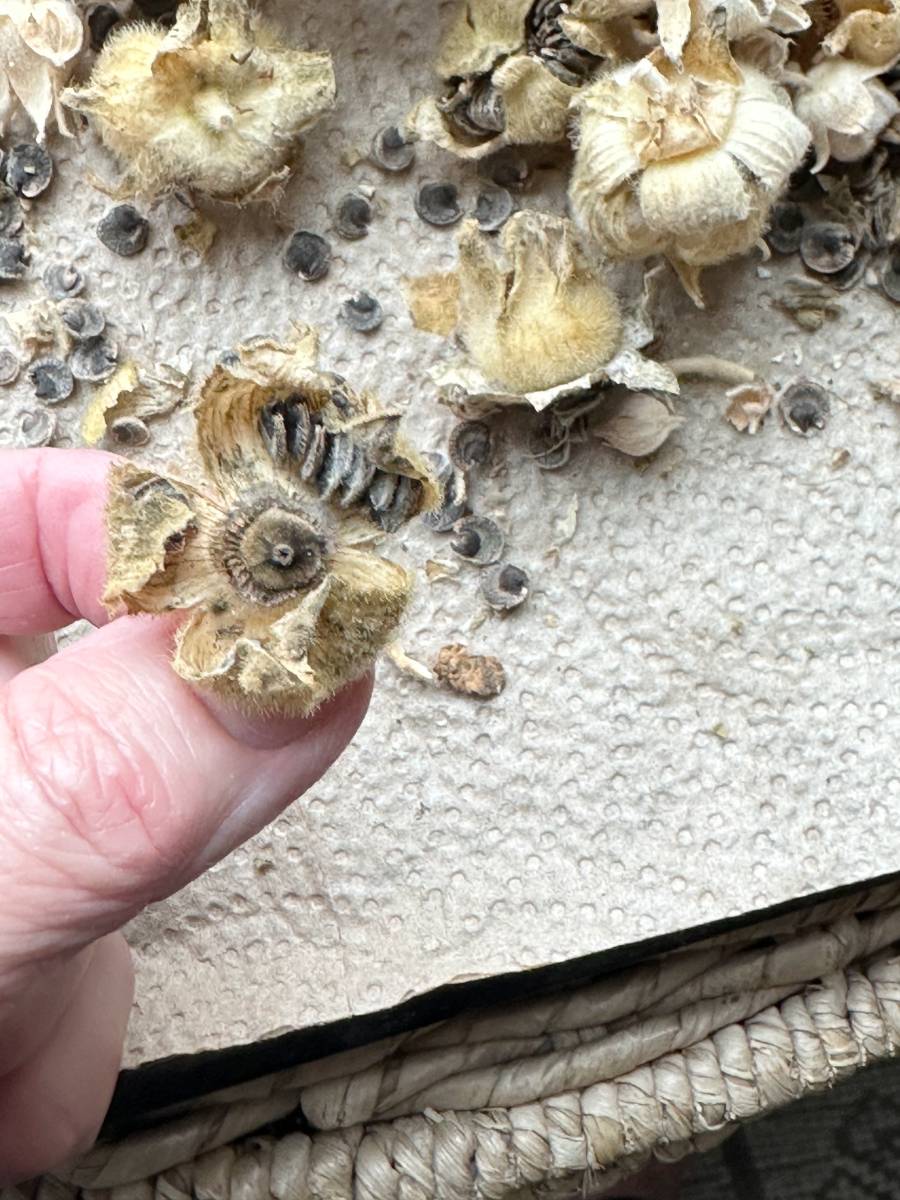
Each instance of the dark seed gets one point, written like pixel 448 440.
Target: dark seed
pixel 12 258
pixel 37 428
pixel 28 169
pixel 805 407
pixel 353 217
pixel 94 359
pixel 307 255
pixel 850 275
pixel 827 247
pixel 786 228
pixel 101 21
pixel 124 231
pixel 52 380
pixel 157 9
pixel 391 151
pixel 470 445
pixel 129 431
pixel 438 203
pixel 493 208
pixel 83 320
pixel 9 368
pixel 479 540
pixel 11 220
pixel 507 169
pixel 63 281
pixel 505 587
pixel 890 275
pixel 362 312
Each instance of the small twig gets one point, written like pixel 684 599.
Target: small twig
pixel 710 366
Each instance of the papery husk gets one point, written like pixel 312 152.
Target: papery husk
pixel 39 41
pixel 866 34
pixel 129 393
pixel 846 107
pixel 216 104
pixel 636 423
pixel 748 405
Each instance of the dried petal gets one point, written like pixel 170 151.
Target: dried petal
pixel 198 234
pixel 434 301
pixel 470 674
pixel 749 403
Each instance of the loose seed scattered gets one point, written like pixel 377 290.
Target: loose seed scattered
pixel 362 313
pixel 438 203
pixel 52 380
pixel 28 169
pixel 307 255
pixel 391 151
pixel 124 231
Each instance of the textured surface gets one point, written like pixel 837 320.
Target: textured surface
pixel 700 718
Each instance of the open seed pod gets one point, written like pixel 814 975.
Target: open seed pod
pixel 39 41
pixel 215 104
pixel 512 67
pixel 744 20
pixel 538 320
pixel 683 161
pixel 867 32
pixel 846 108
pixel 270 555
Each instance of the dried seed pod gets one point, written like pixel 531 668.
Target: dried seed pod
pixel 438 203
pixel 9 368
pixel 51 379
pixel 82 319
pixel 827 246
pixel 890 275
pixel 362 313
pixel 62 281
pixel 353 216
pixel 505 587
pixel 805 407
pixel 391 150
pixel 453 495
pixel 285 600
pixel 470 445
pixel 493 208
pixel 13 258
pixel 40 39
pixel 307 255
pixel 101 21
pixel 94 359
pixel 478 540
pixel 11 219
pixel 786 224
pixel 36 428
pixel 124 231
pixel 636 424
pixel 216 105
pixel 28 169
pixel 846 109
pixel 469 674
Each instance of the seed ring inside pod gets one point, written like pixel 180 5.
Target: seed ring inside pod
pixel 353 216
pixel 470 445
pixel 805 407
pixel 82 319
pixel 62 281
pixel 272 550
pixel 391 150
pixel 478 540
pixel 307 255
pixel 124 231
pixel 493 208
pixel 827 246
pixel 505 587
pixel 28 169
pixel 438 204
pixel 786 224
pixel 362 313
pixel 52 380
pixel 13 258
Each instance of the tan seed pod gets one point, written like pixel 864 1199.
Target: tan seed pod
pixel 470 674
pixel 846 109
pixel 216 104
pixel 636 424
pixel 270 555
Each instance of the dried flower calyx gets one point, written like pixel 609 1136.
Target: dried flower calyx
pixel 39 39
pixel 271 555
pixel 216 104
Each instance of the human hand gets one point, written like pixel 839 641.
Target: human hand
pixel 118 785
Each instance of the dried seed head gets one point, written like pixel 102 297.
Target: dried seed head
pixel 805 407
pixel 129 431
pixel 124 231
pixel 94 359
pixel 13 258
pixel 636 424
pixel 827 246
pixel 890 275
pixel 469 674
pixel 505 587
pixel 478 540
pixel 453 492
pixel 51 379
pixel 353 216
pixel 786 224
pixel 362 312
pixel 81 319
pixel 11 219
pixel 37 428
pixel 307 255
pixel 493 208
pixel 101 21
pixel 273 553
pixel 9 368
pixel 28 169
pixel 470 445
pixel 438 203
pixel 846 109
pixel 391 150
pixel 62 281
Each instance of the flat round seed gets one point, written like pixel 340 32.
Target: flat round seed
pixel 83 320
pixel 353 216
pixel 11 219
pixel 505 587
pixel 12 258
pixel 129 431
pixel 478 540
pixel 307 255
pixel 391 151
pixel 28 169
pixel 493 208
pixel 507 169
pixel 470 445
pixel 52 380
pixel 101 21
pixel 94 359
pixel 890 275
pixel 9 368
pixel 124 231
pixel 37 428
pixel 62 281
pixel 805 406
pixel 438 203
pixel 786 227
pixel 827 247
pixel 362 312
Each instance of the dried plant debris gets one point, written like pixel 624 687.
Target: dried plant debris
pixel 217 104
pixel 62 281
pixel 52 380
pixel 749 405
pixel 38 45
pixel 392 150
pixel 478 675
pixel 890 275
pixel 307 255
pixel 505 587
pixel 470 445
pixel 9 368
pixel 636 423
pixel 478 540
pixel 538 321
pixel 433 301
pixel 438 204
pixel 28 170
pixel 130 395
pixel 271 556
pixel 846 107
pixel 362 313
pixel 353 216
pixel 805 407
pixel 810 302
pixel 684 161
pixel 198 233
pixel 11 219
pixel 37 428
pixel 453 502
pixel 124 231
pixel 493 208
pixel 13 259
pixel 409 666
pixel 39 330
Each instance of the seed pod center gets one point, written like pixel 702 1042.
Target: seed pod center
pixel 272 553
